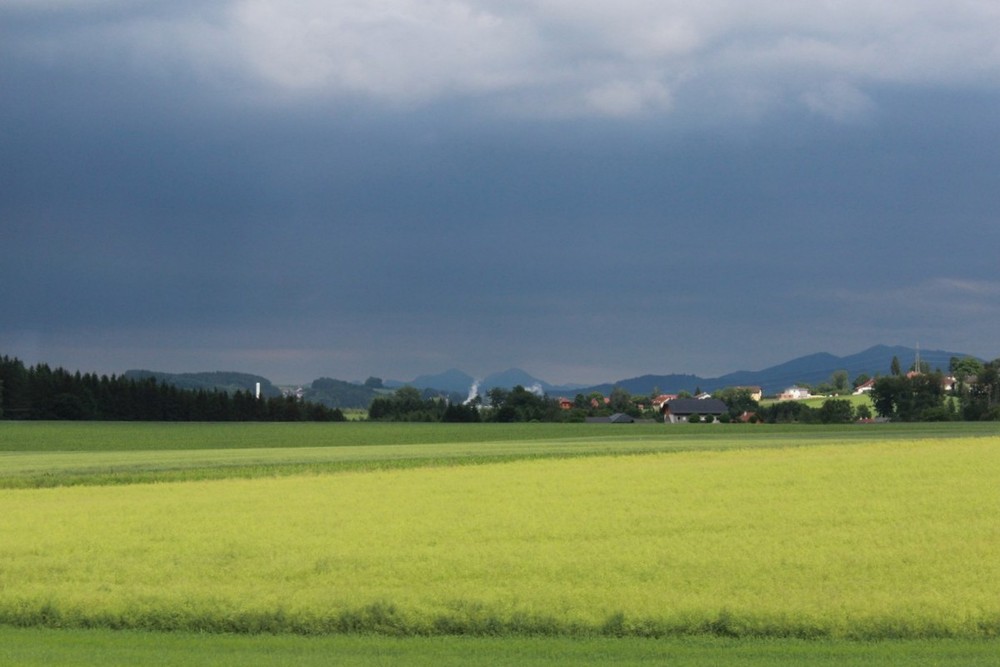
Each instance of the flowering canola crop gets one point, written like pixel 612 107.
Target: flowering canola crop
pixel 864 540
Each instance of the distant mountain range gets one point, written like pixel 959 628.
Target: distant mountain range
pixel 811 369
pixel 460 382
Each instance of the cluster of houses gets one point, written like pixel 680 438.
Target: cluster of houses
pixel 672 407
pixel 675 409
pixel 799 393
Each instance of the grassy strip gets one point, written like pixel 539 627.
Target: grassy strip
pixel 154 436
pixel 43 647
pixel 158 436
pixel 52 454
pixel 114 477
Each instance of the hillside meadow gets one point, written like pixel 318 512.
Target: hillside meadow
pixel 856 400
pixel 788 537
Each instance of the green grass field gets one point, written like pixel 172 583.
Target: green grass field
pixel 645 542
pixel 35 647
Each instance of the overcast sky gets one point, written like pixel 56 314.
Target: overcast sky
pixel 583 189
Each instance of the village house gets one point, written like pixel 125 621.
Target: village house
pixel 794 394
pixel 864 387
pixel 661 399
pixel 756 393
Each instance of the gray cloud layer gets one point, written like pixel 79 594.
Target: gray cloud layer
pixel 562 58
pixel 585 190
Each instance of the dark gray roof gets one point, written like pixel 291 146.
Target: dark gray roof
pixel 695 406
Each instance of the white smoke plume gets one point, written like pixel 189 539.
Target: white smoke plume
pixel 473 392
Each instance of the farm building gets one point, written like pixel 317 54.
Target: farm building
pixel 680 409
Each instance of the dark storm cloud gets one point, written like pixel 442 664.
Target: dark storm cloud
pixel 237 187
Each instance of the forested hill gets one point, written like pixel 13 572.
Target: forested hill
pixel 324 391
pixel 339 394
pixel 227 381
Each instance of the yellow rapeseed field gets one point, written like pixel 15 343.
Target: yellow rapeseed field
pixel 860 540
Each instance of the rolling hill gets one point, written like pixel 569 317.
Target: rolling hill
pixel 810 369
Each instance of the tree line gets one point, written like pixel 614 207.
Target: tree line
pixel 41 392
pixel 920 395
pixel 970 393
pixel 500 405
pixel 514 405
pixel 522 405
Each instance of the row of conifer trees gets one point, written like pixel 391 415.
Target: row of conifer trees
pixel 41 392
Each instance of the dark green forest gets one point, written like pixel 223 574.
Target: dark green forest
pixel 41 392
